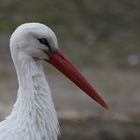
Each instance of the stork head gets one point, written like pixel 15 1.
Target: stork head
pixel 35 40
pixel 39 42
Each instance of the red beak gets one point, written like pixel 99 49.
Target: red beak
pixel 59 61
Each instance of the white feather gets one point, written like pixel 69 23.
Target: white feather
pixel 33 116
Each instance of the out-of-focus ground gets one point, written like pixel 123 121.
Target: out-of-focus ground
pixel 102 39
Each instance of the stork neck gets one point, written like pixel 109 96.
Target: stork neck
pixel 34 106
pixel 26 70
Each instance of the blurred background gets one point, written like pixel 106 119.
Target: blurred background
pixel 103 39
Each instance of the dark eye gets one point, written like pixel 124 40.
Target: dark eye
pixel 44 41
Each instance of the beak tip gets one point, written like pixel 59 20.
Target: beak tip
pixel 105 105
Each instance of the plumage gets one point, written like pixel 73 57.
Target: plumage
pixel 33 116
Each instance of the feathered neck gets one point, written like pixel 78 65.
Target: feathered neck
pixel 34 114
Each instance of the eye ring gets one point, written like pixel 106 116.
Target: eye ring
pixel 44 41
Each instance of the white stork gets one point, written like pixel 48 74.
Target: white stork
pixel 33 116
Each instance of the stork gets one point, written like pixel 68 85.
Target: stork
pixel 33 116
